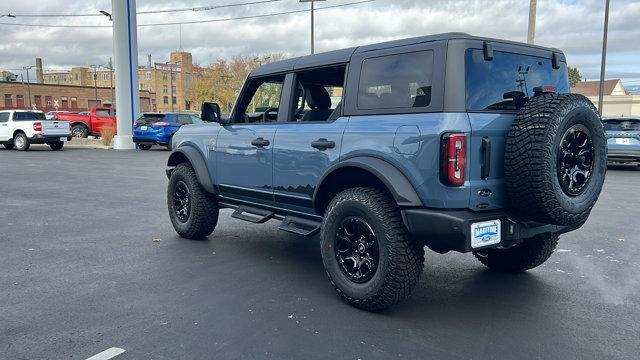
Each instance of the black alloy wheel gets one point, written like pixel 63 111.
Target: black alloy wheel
pixel 575 160
pixel 356 249
pixel 182 201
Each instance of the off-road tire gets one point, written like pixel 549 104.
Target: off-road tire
pixel 79 131
pixel 204 210
pixel 144 147
pixel 531 159
pixel 401 260
pixel 8 146
pixel 527 255
pixel 21 142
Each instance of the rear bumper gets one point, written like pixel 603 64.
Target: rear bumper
pixel 624 155
pixel 444 230
pixel 151 140
pixel 45 139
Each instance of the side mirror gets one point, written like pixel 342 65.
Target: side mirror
pixel 210 112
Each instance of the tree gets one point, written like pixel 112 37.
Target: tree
pixel 221 81
pixel 574 76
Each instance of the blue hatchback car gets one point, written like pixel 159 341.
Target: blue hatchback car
pixel 623 139
pixel 158 129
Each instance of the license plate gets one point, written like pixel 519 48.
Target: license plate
pixel 485 233
pixel 623 141
pixel 143 128
pixel 63 139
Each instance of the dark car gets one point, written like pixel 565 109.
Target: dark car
pixel 451 141
pixel 158 129
pixel 623 139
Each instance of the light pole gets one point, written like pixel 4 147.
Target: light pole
pixel 531 33
pixel 95 80
pixel 170 82
pixel 110 67
pixel 312 20
pixel 28 85
pixel 604 57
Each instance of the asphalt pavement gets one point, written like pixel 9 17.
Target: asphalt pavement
pixel 89 261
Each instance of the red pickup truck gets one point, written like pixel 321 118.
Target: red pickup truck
pixel 83 125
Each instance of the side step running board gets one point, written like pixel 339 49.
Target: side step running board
pixel 299 226
pixel 252 214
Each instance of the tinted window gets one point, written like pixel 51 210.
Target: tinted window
pixel 184 119
pixel 28 116
pixel 396 81
pixel 506 81
pixel 4 117
pixel 622 125
pixel 150 118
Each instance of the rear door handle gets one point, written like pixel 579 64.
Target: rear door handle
pixel 260 142
pixel 323 144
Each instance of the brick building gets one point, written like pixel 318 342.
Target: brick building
pixel 48 97
pixel 168 82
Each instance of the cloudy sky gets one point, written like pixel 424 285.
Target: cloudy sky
pixel 572 25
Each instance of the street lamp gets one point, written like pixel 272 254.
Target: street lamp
pixel 28 85
pixel 95 80
pixel 312 11
pixel 106 14
pixel 604 57
pixel 7 15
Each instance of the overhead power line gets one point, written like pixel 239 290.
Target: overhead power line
pixel 194 21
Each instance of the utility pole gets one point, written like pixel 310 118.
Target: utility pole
pixel 28 85
pixel 531 33
pixel 312 23
pixel 113 100
pixel 95 80
pixel 604 57
pixel 171 81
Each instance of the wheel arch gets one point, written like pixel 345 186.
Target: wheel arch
pixel 364 171
pixel 16 132
pixel 193 156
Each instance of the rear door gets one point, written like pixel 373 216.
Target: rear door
pixel 244 147
pixel 101 118
pixel 308 142
pixel 495 90
pixel 5 133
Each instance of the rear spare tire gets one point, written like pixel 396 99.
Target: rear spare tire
pixel 555 159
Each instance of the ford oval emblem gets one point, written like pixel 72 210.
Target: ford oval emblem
pixel 484 192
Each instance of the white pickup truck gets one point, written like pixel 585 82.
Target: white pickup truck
pixel 21 128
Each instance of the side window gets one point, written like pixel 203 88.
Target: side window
pixel 103 112
pixel 196 120
pixel 184 119
pixel 260 101
pixel 4 117
pixel 396 81
pixel 318 94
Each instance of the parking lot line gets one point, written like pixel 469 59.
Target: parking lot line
pixel 107 354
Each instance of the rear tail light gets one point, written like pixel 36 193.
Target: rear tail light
pixel 545 89
pixel 37 126
pixel 453 159
pixel 161 123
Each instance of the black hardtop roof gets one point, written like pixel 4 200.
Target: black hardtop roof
pixel 344 55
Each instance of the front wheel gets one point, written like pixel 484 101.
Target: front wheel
pixel 56 145
pixel 20 142
pixel 193 211
pixel 79 131
pixel 527 255
pixel 366 249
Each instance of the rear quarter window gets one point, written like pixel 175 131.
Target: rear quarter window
pixel 399 81
pixel 503 83
pixel 28 116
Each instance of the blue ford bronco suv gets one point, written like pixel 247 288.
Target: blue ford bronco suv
pixel 449 141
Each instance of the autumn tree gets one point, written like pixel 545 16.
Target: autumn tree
pixel 221 81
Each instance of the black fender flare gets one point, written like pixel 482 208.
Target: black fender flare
pixel 195 157
pixel 399 186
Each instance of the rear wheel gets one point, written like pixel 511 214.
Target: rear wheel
pixel 79 131
pixel 56 145
pixel 366 249
pixel 144 146
pixel 527 255
pixel 8 146
pixel 20 142
pixel 193 211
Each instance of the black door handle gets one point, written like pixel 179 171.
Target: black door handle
pixel 260 142
pixel 322 144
